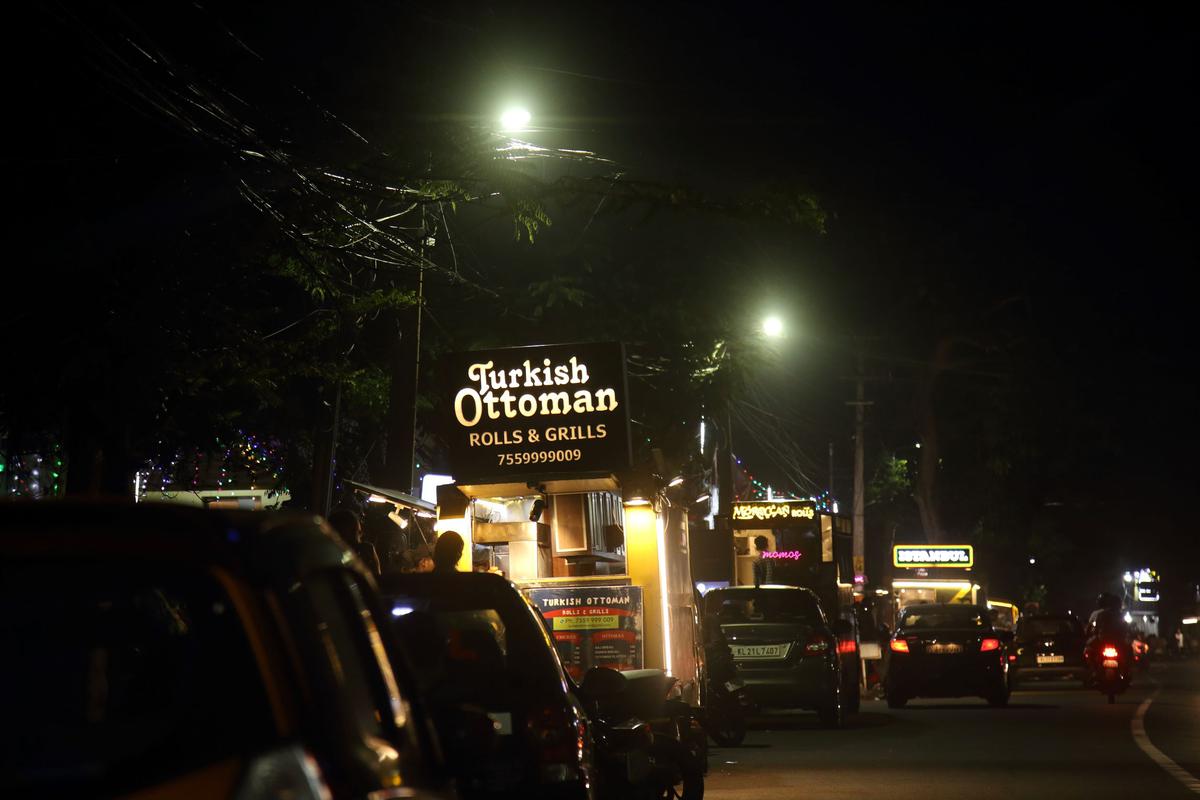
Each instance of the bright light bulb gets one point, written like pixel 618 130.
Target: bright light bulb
pixel 515 119
pixel 773 326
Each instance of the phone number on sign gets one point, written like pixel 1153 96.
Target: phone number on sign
pixel 539 457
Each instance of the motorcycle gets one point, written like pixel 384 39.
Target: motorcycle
pixel 646 739
pixel 727 703
pixel 1108 666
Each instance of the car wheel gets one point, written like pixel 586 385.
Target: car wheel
pixel 832 713
pixel 999 697
pixel 853 698
pixel 853 689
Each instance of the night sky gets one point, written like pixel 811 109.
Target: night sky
pixel 986 153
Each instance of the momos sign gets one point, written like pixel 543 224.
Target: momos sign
pixel 535 410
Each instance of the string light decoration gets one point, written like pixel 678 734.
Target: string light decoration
pixel 756 489
pixel 35 475
pixel 245 462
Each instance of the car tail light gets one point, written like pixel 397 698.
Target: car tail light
pixel 818 645
pixel 1012 656
pixel 1109 652
pixel 290 772
pixel 988 645
pixel 559 738
pixel 899 646
pixel 847 646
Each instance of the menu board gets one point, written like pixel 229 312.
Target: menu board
pixel 594 626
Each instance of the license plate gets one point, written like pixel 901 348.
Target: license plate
pixel 1051 659
pixel 760 650
pixel 943 649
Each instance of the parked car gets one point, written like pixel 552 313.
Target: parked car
pixel 946 650
pixel 1048 646
pixel 785 648
pixel 480 647
pixel 167 651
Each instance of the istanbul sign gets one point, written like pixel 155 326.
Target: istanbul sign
pixel 533 410
pixel 933 555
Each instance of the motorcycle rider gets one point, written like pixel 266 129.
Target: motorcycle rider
pixel 1107 625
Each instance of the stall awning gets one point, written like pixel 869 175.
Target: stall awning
pixel 395 496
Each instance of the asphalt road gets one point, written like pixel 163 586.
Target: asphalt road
pixel 1054 741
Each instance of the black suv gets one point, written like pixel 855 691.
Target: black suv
pixel 479 648
pixel 198 653
pixel 1048 646
pixel 785 647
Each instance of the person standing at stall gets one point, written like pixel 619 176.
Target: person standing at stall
pixel 349 526
pixel 764 568
pixel 447 551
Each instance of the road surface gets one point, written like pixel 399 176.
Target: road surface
pixel 1053 741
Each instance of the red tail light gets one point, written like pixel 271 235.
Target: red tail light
pixel 899 646
pixel 1109 652
pixel 847 646
pixel 987 645
pixel 559 737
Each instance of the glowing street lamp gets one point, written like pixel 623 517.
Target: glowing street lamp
pixel 515 119
pixel 772 326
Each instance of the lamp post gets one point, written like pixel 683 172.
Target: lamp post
pixel 771 327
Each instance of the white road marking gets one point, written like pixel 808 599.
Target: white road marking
pixel 1138 726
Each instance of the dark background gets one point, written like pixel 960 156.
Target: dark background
pixel 1020 180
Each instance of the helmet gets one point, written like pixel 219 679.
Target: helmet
pixel 1108 601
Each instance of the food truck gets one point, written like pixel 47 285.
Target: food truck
pixel 545 493
pixel 934 573
pixel 806 546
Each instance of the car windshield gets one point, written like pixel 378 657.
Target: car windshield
pixel 943 618
pixel 733 606
pixel 115 677
pixel 1047 626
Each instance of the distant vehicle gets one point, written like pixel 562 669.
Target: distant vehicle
pixel 785 647
pixel 177 652
pixel 479 647
pixel 946 650
pixel 1047 646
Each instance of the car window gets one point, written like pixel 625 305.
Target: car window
pixel 1047 627
pixel 737 606
pixel 117 675
pixel 942 618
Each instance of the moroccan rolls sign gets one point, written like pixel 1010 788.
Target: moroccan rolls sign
pixel 543 410
pixel 933 555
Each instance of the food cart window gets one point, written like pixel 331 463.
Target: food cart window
pixel 569 531
pixel 580 520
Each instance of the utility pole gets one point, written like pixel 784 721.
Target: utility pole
pixel 860 404
pixel 725 468
pixel 831 492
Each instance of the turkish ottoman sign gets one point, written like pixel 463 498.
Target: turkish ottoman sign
pixel 594 626
pixel 527 411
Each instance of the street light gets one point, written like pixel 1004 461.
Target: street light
pixel 515 119
pixel 772 326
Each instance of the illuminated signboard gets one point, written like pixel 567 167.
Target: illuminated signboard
pixel 775 512
pixel 1145 586
pixel 933 555
pixel 782 555
pixel 527 411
